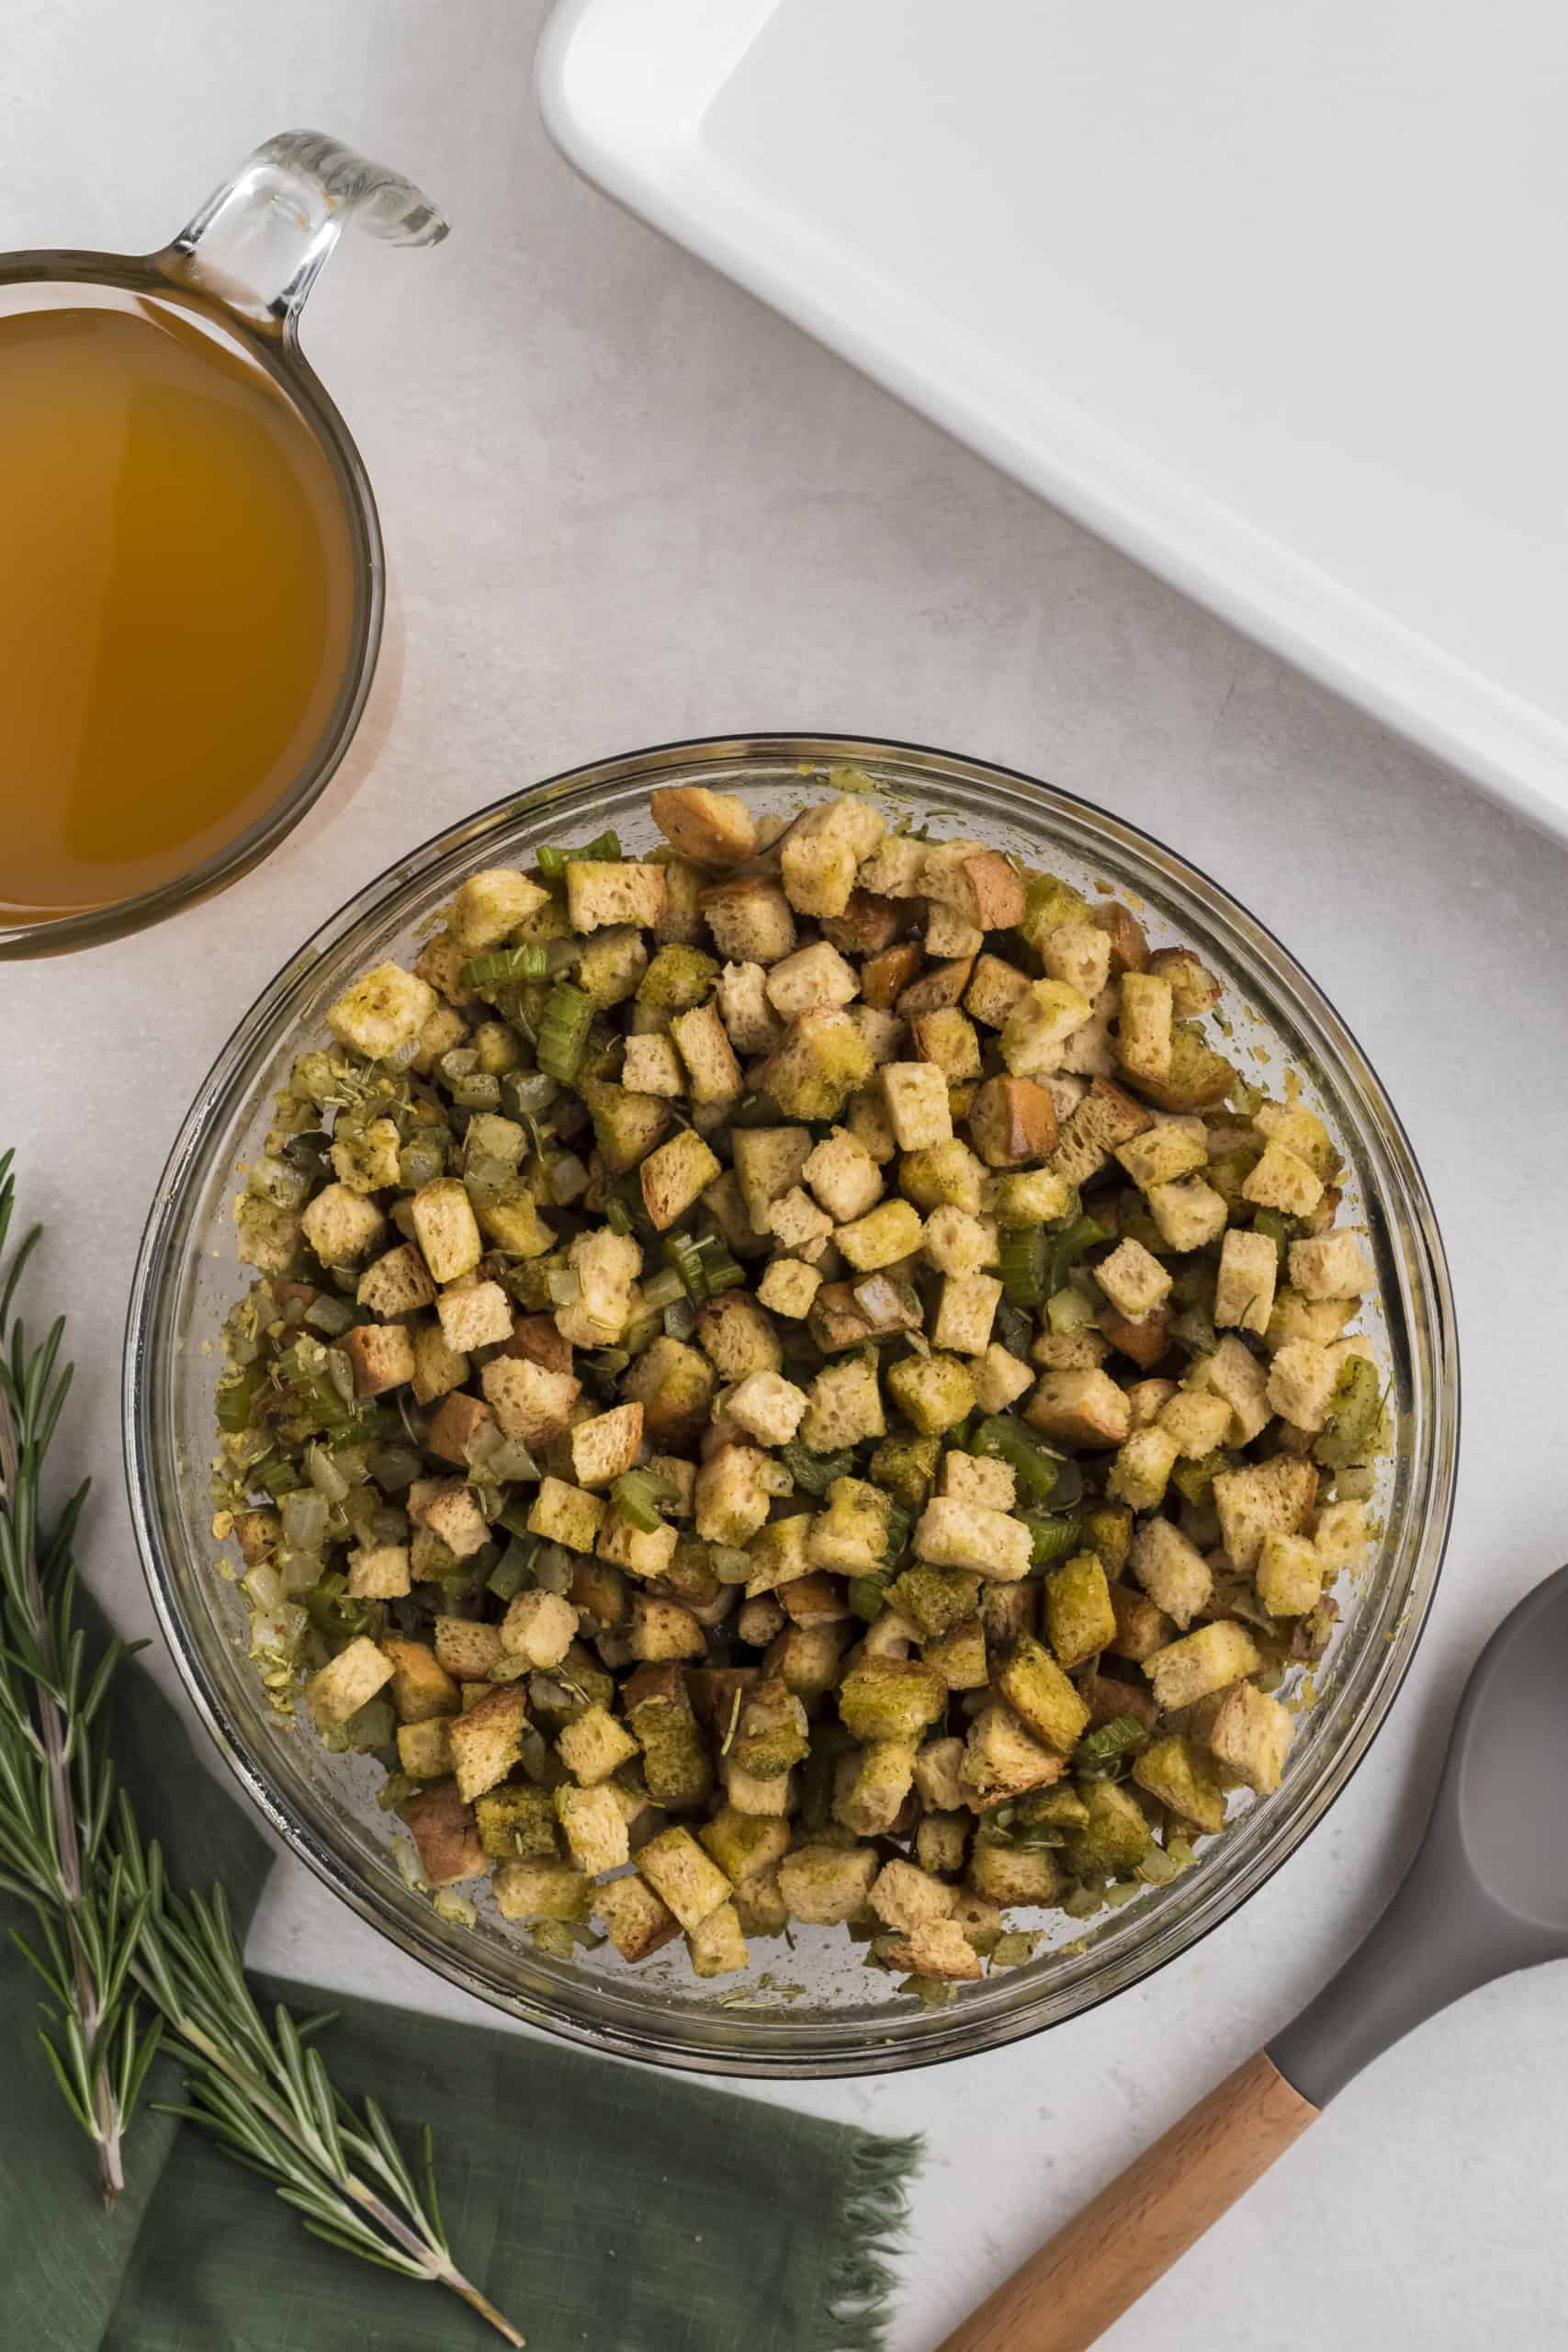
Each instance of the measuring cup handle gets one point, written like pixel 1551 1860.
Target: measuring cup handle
pixel 258 242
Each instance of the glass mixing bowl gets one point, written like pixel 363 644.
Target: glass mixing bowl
pixel 815 2008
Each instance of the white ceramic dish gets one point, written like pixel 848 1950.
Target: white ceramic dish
pixel 1268 297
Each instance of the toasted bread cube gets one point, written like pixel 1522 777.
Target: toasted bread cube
pixel 267 1235
pixel 378 1571
pixel 732 1496
pixel 1041 1696
pixel 1083 1407
pixel 663 1629
pixel 516 1225
pixel 634 1919
pixel 980 885
pixel 1197 1419
pixel 614 892
pixel 937 1949
pixel 1116 1836
pixel 767 1406
pixel 341 1226
pixel 1282 1181
pixel 1260 1498
pixel 999 1379
pixel 1244 1292
pixel 1183 1779
pixel 891 1699
pixel 675 1386
pixel 1105 1118
pixel 652 1066
pixel 750 919
pixel 441 1823
pixel 454 1425
pixel 1187 1670
pixel 539 1627
pixel 871 1786
pixel 906 1898
pixel 824 1886
pixel 1302 1381
pixel 937 1767
pixel 1039 1025
pixel 682 1876
pixel 935 1392
pixel 717 1945
pixel 545 1890
pixel 1080 1619
pixel 713 1071
pixel 675 1176
pixel 881 1238
pixel 594 1746
pixel 368 1161
pixel 440 963
pixel 1250 1736
pixel 712 828
pixel 346 1683
pixel 797 1224
pixel 1342 1535
pixel 1164 1154
pixel 446 1229
pixel 959 1244
pixel 965 1312
pixel 953 1534
pixel 973 1480
pixel 384 1010
pixel 531 1405
pixel 742 1844
pixel 788 1288
pixel 811 979
pixel 477 1316
pixel 778 1554
pixel 1172 1571
pixel 626 1546
pixel 994 989
pixel 844 1177
pixel 611 965
pixel 752 1025
pixel 382 1356
pixel 947 1038
pixel 948 936
pixel 1233 1373
pixel 1003 1758
pixel 1078 954
pixel 466 1649
pixel 421 1686
pixel 843 1405
pixel 769 1162
pixel 517 1822
pixel 1133 1280
pixel 425 1749
pixel 564 1514
pixel 1188 1215
pixel 945 1175
pixel 1142 1469
pixel 823 850
pixel 851 1536
pixel 491 905
pixel 1009 1874
pixel 594 1827
pixel 605 1445
pixel 487 1740
pixel 914 1095
pixel 1145 1021
pixel 1330 1265
pixel 1290 1574
pixel 821 1062
pixel 941 1843
pixel 1012 1122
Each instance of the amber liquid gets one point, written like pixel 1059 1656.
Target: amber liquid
pixel 176 597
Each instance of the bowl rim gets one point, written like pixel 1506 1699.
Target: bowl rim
pixel 946 2038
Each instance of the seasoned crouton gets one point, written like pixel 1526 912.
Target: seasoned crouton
pixel 797 1224
pixel 788 1288
pixel 999 1379
pixel 421 1686
pixel 1302 1381
pixel 1187 1670
pixel 1233 1373
pixel 1105 1118
pixel 367 1160
pixel 1003 1758
pixel 938 989
pixel 594 1746
pixel 548 1889
pixel 1250 1736
pixel 823 850
pixel 1142 1469
pixel 674 1385
pixel 1039 1025
pixel 614 892
pixel 948 1039
pixel 944 1175
pixel 1244 1290
pixel 1167 1151
pixel 267 1235
pixel 1012 1122
pixel 652 1066
pixel 959 1244
pixel 980 885
pixel 824 1886
pixel 752 1024
pixel 769 1162
pixel 843 1405
pixel 949 936
pixel 867 925
pixel 711 1065
pixel 971 1478
pixel 935 1392
pixel 663 1629
pixel 1189 1213
pixel 712 828
pixel 424 1750
pixel 342 1225
pixel 381 1355
pixel 466 1649
pixel 1283 1181
pixel 842 1174
pixel 1289 1574
pixel 851 1536
pixel 1080 1619
pixel 1080 955
pixel 383 1011
pixel 672 1177
pixel 906 1898
pixel 717 1945
pixel 732 1498
pixel 779 1553
pixel 750 919
pixel 396 1285
pixel 882 1236
pixel 1330 1266
pixel 1260 1497
pixel 1197 1420
pixel 994 990
pixel 451 1512
pixel 1341 1536
pixel 1172 1571
pixel 965 1312
pixel 960 1534
pixel 872 1784
pixel 736 1335
pixel 821 1062
pixel 594 1827
pixel 445 1229
pixel 915 1094
pixel 1145 1025
pixel 489 905
pixel 1079 1408
pixel 1133 1280
pixel 1174 1771
pixel 487 1740
pixel 530 1404
pixel 602 1448
pixel 345 1684
pixel 767 1406
pixel 641 1553
pixel 682 1876
pixel 1041 1696
pixel 813 977
pixel 441 1823
pixel 634 1919
pixel 478 1314
pixel 539 1628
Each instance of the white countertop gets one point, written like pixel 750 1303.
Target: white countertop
pixel 622 504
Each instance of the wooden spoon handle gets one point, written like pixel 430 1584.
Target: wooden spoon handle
pixel 1066 2296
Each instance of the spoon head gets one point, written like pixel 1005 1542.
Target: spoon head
pixel 1505 1791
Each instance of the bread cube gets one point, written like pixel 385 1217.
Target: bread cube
pixel 382 1357
pixel 674 1176
pixel 712 828
pixel 1039 1025
pixel 384 1010
pixel 682 1876
pixel 788 1288
pixel 890 1699
pixel 1233 1373
pixel 822 1061
pixel 976 1481
pixel 539 1628
pixel 346 1682
pixel 1341 1535
pixel 634 1919
pixel 1080 1619
pixel 999 1379
pixel 378 1571
pixel 823 850
pixel 1330 1265
pixel 605 1445
pixel 566 1514
pixel 1142 1469
pixel 1041 1696
pixel 425 1749
pixel 750 919
pixel 1188 1669
pixel 517 1822
pixel 1173 1770
pixel 477 1316
pixel 906 1898
pixel 843 1405
pixel 594 1827
pixel 530 1405
pixel 824 1886
pixel 341 1226
pixel 934 1392
pixel 1290 1574
pixel 594 1746
pixel 1244 1291
pixel 617 891
pixel 797 1224
pixel 752 1024
pixel 544 1890
pixel 1003 1758
pixel 1171 1570
pixel 487 1740
pixel 1260 1498
pixel 1282 1181
pixel 915 1094
pixel 1250 1736
pixel 953 1534
pixel 489 905
pixel 652 1066
pixel 1079 1407
pixel 442 1826
pixel 1133 1280
pixel 421 1686
pixel 1012 1122
pixel 1302 1381
pixel 1167 1152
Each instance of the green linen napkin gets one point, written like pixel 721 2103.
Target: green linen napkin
pixel 596 2204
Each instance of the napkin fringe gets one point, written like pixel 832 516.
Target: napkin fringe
pixel 861 2282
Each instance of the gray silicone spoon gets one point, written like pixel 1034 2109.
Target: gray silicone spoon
pixel 1486 1893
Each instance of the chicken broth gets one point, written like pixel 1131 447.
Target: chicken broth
pixel 176 596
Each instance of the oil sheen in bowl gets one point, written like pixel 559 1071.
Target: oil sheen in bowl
pixel 176 599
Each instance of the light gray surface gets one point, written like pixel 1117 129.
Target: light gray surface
pixel 625 504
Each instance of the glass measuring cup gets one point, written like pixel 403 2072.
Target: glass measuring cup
pixel 235 280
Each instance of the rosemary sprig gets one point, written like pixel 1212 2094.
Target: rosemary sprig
pixel 128 1961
